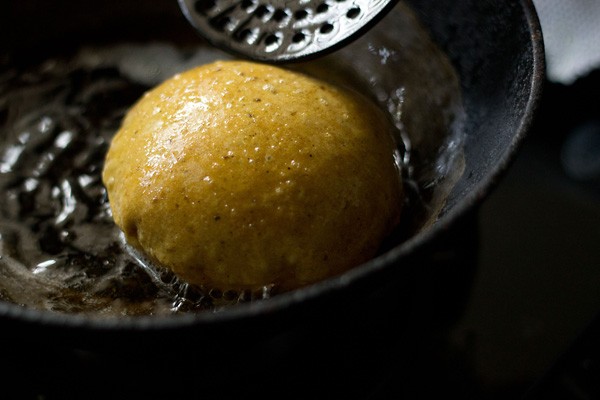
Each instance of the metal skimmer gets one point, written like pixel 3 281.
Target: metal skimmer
pixel 282 30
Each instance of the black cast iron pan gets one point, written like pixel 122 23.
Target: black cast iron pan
pixel 496 47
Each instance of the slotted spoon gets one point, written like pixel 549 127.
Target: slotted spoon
pixel 282 30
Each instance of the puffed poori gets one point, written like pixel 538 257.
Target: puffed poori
pixel 238 175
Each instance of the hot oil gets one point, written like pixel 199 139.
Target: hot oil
pixel 60 249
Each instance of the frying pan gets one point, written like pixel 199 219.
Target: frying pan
pixel 301 337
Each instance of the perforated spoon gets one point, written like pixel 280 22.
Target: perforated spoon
pixel 282 30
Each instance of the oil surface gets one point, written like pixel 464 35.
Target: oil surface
pixel 59 247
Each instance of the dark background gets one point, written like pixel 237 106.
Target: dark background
pixel 529 328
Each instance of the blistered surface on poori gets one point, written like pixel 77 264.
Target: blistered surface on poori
pixel 237 175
